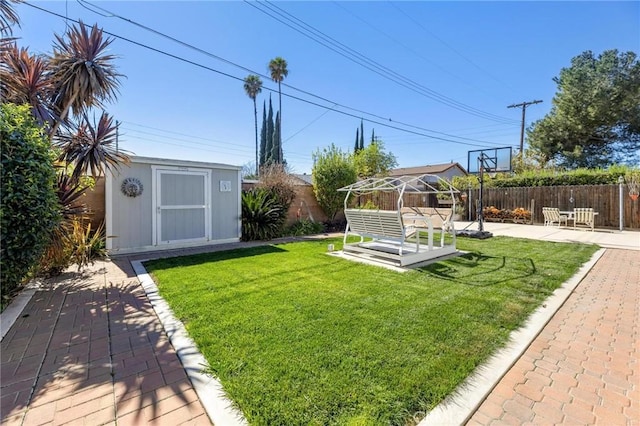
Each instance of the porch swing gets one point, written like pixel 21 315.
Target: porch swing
pixel 394 236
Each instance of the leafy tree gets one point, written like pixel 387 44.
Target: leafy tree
pixel 332 169
pixel 374 161
pixel 595 117
pixel 28 206
pixel 278 70
pixel 253 86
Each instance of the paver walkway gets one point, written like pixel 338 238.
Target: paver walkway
pixel 90 350
pixel 583 367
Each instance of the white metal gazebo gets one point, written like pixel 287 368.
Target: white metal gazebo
pixel 394 236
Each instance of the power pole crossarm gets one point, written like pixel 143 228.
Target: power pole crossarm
pixel 524 106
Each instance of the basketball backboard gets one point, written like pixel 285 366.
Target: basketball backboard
pixel 491 160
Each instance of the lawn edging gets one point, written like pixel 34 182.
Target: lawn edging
pixel 465 400
pixel 210 392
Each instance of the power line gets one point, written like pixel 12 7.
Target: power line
pixel 329 42
pixel 190 46
pixel 414 52
pixel 419 24
pixel 111 14
pixel 284 94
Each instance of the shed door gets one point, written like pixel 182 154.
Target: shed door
pixel 182 206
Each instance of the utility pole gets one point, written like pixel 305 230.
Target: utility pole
pixel 524 106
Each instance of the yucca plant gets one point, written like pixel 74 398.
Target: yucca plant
pixel 262 215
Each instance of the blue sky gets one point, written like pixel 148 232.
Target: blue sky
pixel 478 56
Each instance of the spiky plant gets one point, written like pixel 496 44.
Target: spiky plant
pixel 91 148
pixel 26 79
pixel 84 75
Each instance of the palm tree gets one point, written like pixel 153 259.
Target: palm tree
pixel 278 69
pixel 26 80
pixel 8 18
pixel 91 148
pixel 83 74
pixel 253 86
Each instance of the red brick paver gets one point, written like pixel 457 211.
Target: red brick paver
pixel 90 350
pixel 583 367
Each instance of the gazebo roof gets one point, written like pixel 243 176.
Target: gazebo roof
pixel 425 184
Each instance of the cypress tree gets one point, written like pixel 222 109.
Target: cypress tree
pixel 373 135
pixel 268 158
pixel 276 149
pixel 356 148
pixel 361 134
pixel 263 134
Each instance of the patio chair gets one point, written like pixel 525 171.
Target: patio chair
pixel 583 216
pixel 552 215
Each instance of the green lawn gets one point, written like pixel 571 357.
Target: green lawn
pixel 300 337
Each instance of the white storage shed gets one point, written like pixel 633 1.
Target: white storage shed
pixel 158 204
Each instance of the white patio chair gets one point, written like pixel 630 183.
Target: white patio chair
pixel 552 215
pixel 584 216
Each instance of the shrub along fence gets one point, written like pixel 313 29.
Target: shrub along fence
pixel 604 199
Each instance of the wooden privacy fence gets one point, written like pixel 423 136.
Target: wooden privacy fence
pixel 604 199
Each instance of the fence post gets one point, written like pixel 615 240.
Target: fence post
pixel 532 209
pixel 621 201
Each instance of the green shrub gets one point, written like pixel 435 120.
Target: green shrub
pixel 305 227
pixel 547 177
pixel 29 208
pixel 262 215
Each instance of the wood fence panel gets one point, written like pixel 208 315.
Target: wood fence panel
pixel 602 198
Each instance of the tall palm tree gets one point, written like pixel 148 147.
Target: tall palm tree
pixel 253 86
pixel 83 74
pixel 278 69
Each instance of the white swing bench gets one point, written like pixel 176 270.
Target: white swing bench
pixel 395 235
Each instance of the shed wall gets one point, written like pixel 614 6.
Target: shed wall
pixel 130 219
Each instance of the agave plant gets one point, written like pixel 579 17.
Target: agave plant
pixel 83 73
pixel 91 148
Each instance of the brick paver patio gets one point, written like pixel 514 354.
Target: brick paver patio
pixel 90 350
pixel 583 367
